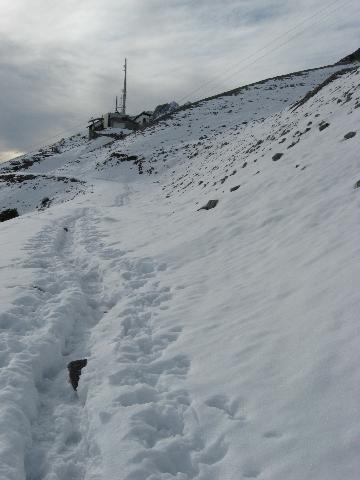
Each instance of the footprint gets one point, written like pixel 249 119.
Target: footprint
pixel 156 423
pixel 144 266
pixel 172 459
pixel 178 365
pixel 140 396
pixel 105 417
pixel 127 275
pixel 215 452
pixel 251 471
pixel 230 407
pixel 133 375
pixel 73 439
pixel 161 341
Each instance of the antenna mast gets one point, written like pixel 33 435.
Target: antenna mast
pixel 124 91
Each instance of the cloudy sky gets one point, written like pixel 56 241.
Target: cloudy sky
pixel 61 61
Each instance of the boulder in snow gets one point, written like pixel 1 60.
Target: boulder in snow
pixel 349 135
pixel 8 214
pixel 210 204
pixel 277 157
pixel 75 368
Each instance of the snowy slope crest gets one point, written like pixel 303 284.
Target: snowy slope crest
pixel 221 343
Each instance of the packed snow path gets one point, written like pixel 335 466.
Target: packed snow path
pixel 68 304
pixel 60 429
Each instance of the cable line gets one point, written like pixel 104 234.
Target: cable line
pixel 306 20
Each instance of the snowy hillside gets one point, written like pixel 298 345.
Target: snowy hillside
pixel 221 343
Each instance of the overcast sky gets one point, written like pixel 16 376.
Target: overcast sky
pixel 61 61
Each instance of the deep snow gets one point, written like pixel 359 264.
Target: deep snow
pixel 221 344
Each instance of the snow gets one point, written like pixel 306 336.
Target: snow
pixel 221 344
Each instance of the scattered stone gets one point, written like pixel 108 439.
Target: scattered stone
pixel 349 135
pixel 75 368
pixel 323 125
pixel 277 157
pixel 223 180
pixel 357 184
pixel 8 214
pixel 244 164
pixel 232 189
pixel 66 229
pixel 210 204
pixel 45 203
pixel 294 143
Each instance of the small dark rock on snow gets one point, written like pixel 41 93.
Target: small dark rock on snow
pixel 75 368
pixel 323 125
pixel 210 204
pixel 8 214
pixel 349 135
pixel 234 188
pixel 277 157
pixel 357 184
pixel 45 203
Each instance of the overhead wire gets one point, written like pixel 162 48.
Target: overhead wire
pixel 291 38
pixel 295 27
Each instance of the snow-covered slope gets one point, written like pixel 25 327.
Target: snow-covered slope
pixel 222 343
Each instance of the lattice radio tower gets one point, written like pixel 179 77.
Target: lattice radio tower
pixel 124 91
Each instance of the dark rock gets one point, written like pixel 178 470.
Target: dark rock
pixel 353 57
pixel 293 143
pixel 232 189
pixel 323 125
pixel 349 135
pixel 210 204
pixel 357 184
pixel 8 214
pixel 277 157
pixel 164 109
pixel 75 368
pixel 66 229
pixel 45 203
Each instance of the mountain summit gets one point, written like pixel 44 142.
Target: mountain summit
pixel 352 58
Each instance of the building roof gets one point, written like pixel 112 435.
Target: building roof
pixel 149 114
